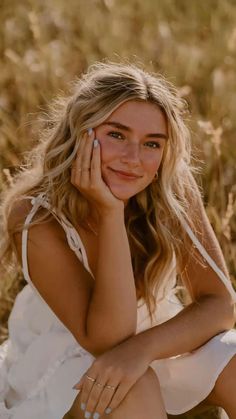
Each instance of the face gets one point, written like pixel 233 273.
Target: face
pixel 132 141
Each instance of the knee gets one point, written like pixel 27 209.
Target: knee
pixel 225 384
pixel 148 382
pixel 144 399
pixel 149 378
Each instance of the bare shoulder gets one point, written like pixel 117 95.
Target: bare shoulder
pixel 55 271
pixel 50 229
pixel 19 211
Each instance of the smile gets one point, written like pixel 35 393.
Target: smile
pixel 124 175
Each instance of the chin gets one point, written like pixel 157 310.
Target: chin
pixel 122 194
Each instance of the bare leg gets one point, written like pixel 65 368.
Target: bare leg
pixel 144 400
pixel 223 394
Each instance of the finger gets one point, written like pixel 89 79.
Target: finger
pixel 96 162
pixel 86 160
pixel 105 399
pixel 94 396
pixel 81 148
pixel 78 162
pixel 78 386
pixel 85 391
pixel 118 396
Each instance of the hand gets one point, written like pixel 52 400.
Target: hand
pixel 119 368
pixel 87 178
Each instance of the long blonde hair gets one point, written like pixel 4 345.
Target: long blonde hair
pixel 152 216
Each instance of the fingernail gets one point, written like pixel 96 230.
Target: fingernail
pixel 83 406
pixel 108 410
pixel 95 142
pixel 87 415
pixel 74 387
pixel 96 415
pixel 90 131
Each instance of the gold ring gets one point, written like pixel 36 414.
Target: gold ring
pixel 90 378
pixel 99 385
pixel 111 387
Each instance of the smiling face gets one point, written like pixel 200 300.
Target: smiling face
pixel 132 140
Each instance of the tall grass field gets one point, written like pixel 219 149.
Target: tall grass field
pixel 45 44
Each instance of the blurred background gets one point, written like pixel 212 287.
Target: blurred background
pixel 44 45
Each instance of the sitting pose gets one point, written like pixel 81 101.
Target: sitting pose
pixel 128 298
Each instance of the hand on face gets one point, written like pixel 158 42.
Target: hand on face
pixel 87 178
pixel 132 141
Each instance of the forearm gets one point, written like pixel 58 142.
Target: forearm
pixel 112 315
pixel 188 330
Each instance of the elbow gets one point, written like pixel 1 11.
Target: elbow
pixel 221 310
pixel 232 315
pixel 102 339
pixel 97 345
pixel 227 312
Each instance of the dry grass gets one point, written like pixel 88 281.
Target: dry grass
pixel 44 44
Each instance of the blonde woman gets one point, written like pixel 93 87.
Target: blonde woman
pixel 103 219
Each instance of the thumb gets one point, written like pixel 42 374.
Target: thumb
pixel 78 386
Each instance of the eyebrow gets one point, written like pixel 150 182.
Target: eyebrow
pixel 128 129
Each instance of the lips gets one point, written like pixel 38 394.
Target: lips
pixel 125 174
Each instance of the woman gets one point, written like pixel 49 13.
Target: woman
pixel 112 215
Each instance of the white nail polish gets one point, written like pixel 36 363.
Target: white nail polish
pixel 95 142
pixel 83 406
pixel 90 131
pixel 108 410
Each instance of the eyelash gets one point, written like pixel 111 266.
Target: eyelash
pixel 111 133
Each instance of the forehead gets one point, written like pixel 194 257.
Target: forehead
pixel 140 115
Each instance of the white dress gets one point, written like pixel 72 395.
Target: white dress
pixel 41 360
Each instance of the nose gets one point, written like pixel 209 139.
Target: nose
pixel 131 154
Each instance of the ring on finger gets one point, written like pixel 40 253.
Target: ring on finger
pixel 105 386
pixel 111 387
pixel 99 385
pixel 90 378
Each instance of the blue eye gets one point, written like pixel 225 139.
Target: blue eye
pixel 153 144
pixel 119 136
pixel 116 134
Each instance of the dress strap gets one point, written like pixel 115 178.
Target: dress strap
pixel 29 217
pixel 72 235
pixel 208 258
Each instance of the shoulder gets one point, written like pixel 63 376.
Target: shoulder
pixel 49 230
pixel 55 271
pixel 20 210
pixel 18 213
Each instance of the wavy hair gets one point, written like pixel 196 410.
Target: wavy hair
pixel 152 217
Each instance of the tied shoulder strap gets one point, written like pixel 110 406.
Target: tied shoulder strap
pixel 208 258
pixel 72 235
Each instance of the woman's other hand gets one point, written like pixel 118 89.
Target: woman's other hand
pixel 119 369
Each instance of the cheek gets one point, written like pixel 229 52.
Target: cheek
pixel 152 163
pixel 108 151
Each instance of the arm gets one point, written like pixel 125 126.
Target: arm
pixel 189 329
pixel 68 288
pixel 211 312
pixel 112 314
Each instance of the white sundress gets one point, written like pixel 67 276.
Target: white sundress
pixel 41 360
